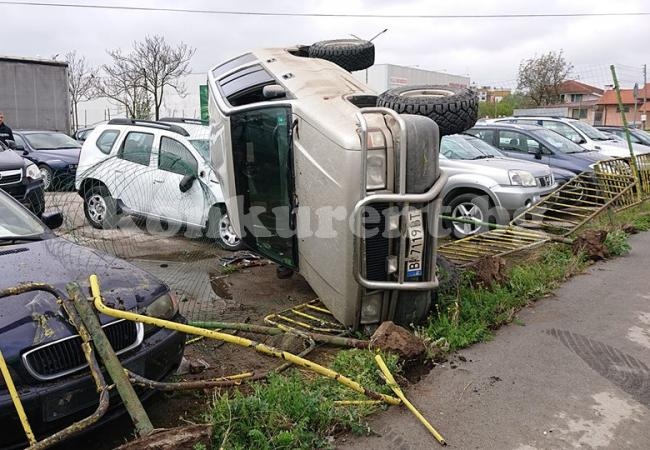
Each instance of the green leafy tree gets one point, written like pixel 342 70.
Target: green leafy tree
pixel 542 76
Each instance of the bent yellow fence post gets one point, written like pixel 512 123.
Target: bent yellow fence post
pixel 15 398
pixel 395 387
pixel 229 338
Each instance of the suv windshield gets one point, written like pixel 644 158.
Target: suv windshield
pixel 557 142
pixel 50 141
pixel 466 147
pixel 16 222
pixel 590 131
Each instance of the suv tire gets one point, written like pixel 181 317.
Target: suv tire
pixel 454 110
pixel 219 227
pixel 350 54
pixel 100 208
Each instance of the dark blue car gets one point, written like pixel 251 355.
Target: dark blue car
pixel 56 155
pixel 38 342
pixel 538 144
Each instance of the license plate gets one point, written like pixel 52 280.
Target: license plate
pixel 415 234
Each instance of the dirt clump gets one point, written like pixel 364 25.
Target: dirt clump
pixel 489 270
pixel 592 244
pixel 395 339
pixel 180 438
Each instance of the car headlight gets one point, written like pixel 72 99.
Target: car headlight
pixel 164 307
pixel 522 178
pixel 31 171
pixel 376 170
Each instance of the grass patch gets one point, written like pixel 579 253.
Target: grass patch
pixel 471 314
pixel 617 243
pixel 297 410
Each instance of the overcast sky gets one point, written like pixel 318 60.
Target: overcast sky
pixel 488 50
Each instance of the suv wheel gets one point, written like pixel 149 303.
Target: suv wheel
pixel 100 208
pixel 454 110
pixel 219 227
pixel 350 54
pixel 469 206
pixel 46 176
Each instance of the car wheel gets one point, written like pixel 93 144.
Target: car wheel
pixel 100 208
pixel 469 207
pixel 453 109
pixel 350 54
pixel 228 239
pixel 46 176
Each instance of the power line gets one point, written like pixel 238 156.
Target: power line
pixel 325 15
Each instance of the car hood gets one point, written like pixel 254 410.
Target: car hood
pixel 587 156
pixel 69 155
pixel 619 149
pixel 499 164
pixel 9 160
pixel 34 318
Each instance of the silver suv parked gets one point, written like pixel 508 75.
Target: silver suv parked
pixel 487 186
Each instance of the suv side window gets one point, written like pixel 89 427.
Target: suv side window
pixel 562 128
pixel 245 86
pixel 137 148
pixel 513 141
pixel 106 140
pixel 20 142
pixel 485 135
pixel 175 157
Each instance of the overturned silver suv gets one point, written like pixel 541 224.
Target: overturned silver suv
pixel 321 177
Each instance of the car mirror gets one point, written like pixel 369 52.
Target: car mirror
pixel 187 182
pixel 537 151
pixel 273 91
pixel 52 220
pixel 577 140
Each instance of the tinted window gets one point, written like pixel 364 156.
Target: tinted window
pixel 514 141
pixel 486 135
pixel 20 142
pixel 175 157
pixel 137 148
pixel 245 86
pixel 229 65
pixel 106 140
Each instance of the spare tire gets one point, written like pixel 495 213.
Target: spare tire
pixel 350 54
pixel 453 109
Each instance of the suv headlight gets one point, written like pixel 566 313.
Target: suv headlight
pixel 522 178
pixel 31 171
pixel 164 307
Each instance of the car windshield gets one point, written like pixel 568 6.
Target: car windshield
pixel 465 147
pixel 16 222
pixel 591 132
pixel 50 141
pixel 203 146
pixel 644 135
pixel 557 142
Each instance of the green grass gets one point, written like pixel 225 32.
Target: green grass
pixel 617 243
pixel 296 410
pixel 481 310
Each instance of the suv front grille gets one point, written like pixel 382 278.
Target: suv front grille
pixel 545 181
pixel 377 246
pixel 10 176
pixel 65 356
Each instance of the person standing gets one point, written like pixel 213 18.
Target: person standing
pixel 5 132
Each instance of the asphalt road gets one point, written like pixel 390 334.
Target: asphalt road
pixel 575 375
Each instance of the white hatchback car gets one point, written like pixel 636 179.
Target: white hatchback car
pixel 153 173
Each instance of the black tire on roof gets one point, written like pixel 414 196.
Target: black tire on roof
pixel 453 109
pixel 350 54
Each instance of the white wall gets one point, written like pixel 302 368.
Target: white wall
pixel 387 76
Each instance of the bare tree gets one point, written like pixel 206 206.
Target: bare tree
pixel 161 66
pixel 123 83
pixel 542 76
pixel 81 82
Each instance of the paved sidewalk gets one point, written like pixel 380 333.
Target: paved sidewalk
pixel 574 376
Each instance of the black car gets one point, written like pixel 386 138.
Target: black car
pixel 56 155
pixel 636 135
pixel 539 144
pixel 40 345
pixel 21 179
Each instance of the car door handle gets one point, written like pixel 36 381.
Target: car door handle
pixel 158 181
pixel 119 171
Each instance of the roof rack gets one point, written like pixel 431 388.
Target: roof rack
pixel 187 120
pixel 150 124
